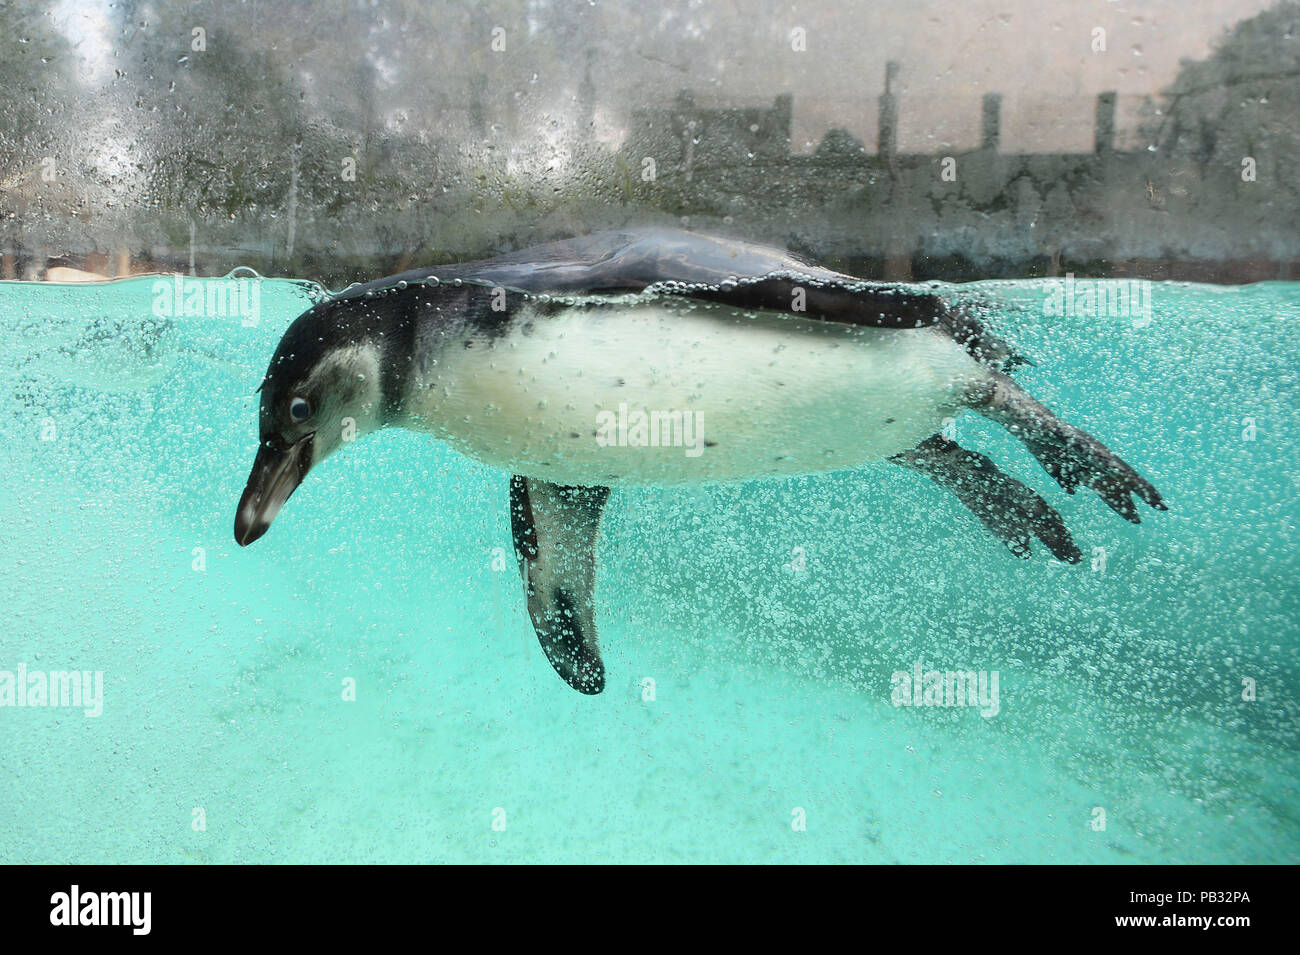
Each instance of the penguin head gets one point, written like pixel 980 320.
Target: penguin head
pixel 324 388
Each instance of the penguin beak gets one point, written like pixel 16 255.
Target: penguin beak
pixel 277 472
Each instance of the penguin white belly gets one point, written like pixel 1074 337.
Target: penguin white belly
pixel 672 394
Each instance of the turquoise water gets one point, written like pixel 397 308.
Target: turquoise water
pixel 127 441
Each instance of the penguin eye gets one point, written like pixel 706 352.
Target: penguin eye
pixel 299 409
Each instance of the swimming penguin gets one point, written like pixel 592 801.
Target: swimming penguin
pixel 659 357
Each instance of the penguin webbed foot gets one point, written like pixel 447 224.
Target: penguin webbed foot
pixel 1010 510
pixel 1075 458
pixel 1070 455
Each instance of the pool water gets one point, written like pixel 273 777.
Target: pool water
pixel 751 632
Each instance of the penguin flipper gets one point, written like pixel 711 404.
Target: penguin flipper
pixel 843 300
pixel 555 530
pixel 1010 510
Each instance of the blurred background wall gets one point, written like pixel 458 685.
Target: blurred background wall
pixel 339 140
